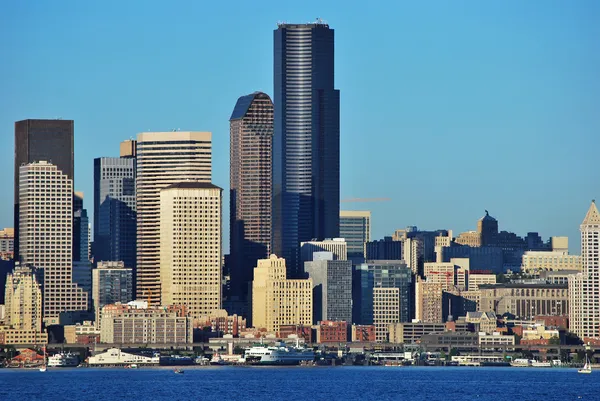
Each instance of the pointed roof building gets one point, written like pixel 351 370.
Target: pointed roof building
pixel 592 217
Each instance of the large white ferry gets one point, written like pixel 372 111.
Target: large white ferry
pixel 63 360
pixel 280 354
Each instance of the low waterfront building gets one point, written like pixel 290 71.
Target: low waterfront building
pixel 116 357
pixel 11 336
pixel 126 324
pixel 81 333
pixel 363 333
pixel 410 333
pixel 221 322
pixel 496 339
pixel 450 339
pixel 332 332
pixel 295 331
pixel 524 300
pixel 533 333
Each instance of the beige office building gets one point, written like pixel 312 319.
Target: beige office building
pixel 163 158
pixel 190 246
pixel 7 243
pixel 124 324
pixel 278 301
pixel 469 238
pixel 537 261
pixel 386 310
pixel 584 287
pixel 23 300
pixel 441 273
pixel 46 234
pixel 524 300
pixel 475 280
pixel 428 301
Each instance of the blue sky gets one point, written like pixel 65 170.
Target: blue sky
pixel 447 108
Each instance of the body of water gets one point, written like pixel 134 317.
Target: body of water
pixel 300 383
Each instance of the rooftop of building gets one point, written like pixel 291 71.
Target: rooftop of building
pixel 192 185
pixel 592 217
pixel 487 217
pixel 243 104
pixel 522 285
pixel 317 23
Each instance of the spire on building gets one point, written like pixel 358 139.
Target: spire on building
pixel 592 216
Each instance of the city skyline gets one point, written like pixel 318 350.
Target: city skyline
pixel 523 133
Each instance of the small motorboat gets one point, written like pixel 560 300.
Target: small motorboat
pixel 179 371
pixel 43 369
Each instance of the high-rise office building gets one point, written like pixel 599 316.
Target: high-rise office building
pixel 251 140
pixel 332 287
pixel 584 302
pixel 277 300
pixel 306 143
pixel 384 249
pixel 42 140
pixel 23 300
pixel 355 228
pixel 81 230
pixel 115 210
pixel 46 235
pixel 382 294
pixel 337 246
pixel 112 282
pixel 163 158
pixel 190 246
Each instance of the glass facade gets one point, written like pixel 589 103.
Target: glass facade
pixel 355 228
pixel 306 143
pixel 380 274
pixel 115 210
pixel 251 136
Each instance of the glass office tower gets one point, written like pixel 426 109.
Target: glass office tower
pixel 306 143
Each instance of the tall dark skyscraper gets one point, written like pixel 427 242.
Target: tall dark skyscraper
pixel 114 210
pixel 42 140
pixel 306 144
pixel 251 135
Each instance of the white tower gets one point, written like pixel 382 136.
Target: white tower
pixel 584 302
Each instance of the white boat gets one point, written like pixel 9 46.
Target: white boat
pixel 280 354
pixel 587 368
pixel 521 362
pixel 63 360
pixel 217 359
pixel 538 364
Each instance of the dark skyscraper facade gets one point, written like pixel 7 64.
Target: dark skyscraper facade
pixel 42 140
pixel 114 210
pixel 306 144
pixel 251 136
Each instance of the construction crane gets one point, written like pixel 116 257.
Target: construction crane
pixel 349 200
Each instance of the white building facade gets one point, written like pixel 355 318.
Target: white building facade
pixel 584 302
